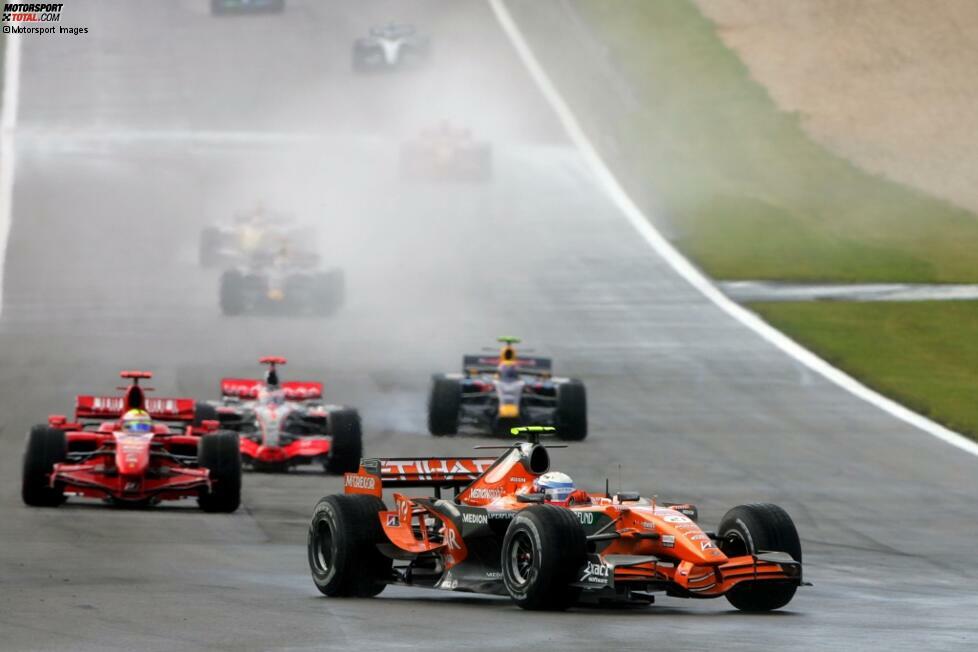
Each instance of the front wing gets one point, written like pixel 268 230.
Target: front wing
pixel 303 450
pixel 94 480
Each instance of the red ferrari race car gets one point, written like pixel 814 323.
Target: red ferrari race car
pixel 515 528
pixel 133 450
pixel 283 425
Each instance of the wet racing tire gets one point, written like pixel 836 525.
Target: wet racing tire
pixel 342 545
pixel 571 415
pixel 543 551
pixel 220 453
pixel 444 404
pixel 46 447
pixel 204 412
pixel 347 442
pixel 232 293
pixel 749 529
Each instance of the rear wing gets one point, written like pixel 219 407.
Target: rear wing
pixel 436 472
pixel 302 390
pixel 240 387
pixel 248 388
pixel 490 363
pixel 112 407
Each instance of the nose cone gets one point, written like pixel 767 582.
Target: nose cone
pixel 681 537
pixel 509 411
pixel 132 455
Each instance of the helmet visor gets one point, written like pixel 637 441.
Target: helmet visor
pixel 558 494
pixel 138 426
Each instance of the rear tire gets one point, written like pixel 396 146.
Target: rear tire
pixel 571 417
pixel 543 551
pixel 232 293
pixel 204 412
pixel 748 529
pixel 444 403
pixel 46 447
pixel 220 452
pixel 342 546
pixel 346 448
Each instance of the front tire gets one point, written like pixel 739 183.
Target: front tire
pixel 46 447
pixel 543 550
pixel 749 529
pixel 220 453
pixel 571 417
pixel 346 447
pixel 444 404
pixel 342 546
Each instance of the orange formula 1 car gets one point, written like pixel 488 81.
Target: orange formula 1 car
pixel 133 450
pixel 501 533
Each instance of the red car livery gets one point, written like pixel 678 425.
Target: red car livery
pixel 178 456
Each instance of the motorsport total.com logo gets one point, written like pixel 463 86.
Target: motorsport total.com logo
pixel 27 14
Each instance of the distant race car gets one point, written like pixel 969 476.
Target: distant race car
pixel 225 7
pixel 133 450
pixel 446 153
pixel 515 528
pixel 282 284
pixel 283 425
pixel 253 233
pixel 390 47
pixel 496 393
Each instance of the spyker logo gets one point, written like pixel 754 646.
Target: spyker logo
pixel 595 573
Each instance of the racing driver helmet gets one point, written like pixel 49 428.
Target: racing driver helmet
pixel 556 487
pixel 137 422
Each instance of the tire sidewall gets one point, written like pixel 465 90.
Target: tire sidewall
pixel 522 593
pixel 328 580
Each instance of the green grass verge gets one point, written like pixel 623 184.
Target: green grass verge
pixel 747 193
pixel 922 354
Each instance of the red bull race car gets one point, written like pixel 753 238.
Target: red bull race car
pixel 494 393
pixel 513 527
pixel 132 450
pixel 287 424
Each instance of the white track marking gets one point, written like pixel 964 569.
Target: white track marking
pixel 8 126
pixel 686 269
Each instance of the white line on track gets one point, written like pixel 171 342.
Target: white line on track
pixel 8 150
pixel 686 269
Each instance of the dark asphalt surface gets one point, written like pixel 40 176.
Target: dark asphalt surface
pixel 163 119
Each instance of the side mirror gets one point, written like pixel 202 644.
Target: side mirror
pixel 209 425
pixel 530 498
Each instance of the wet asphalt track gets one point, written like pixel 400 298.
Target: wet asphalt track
pixel 119 164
